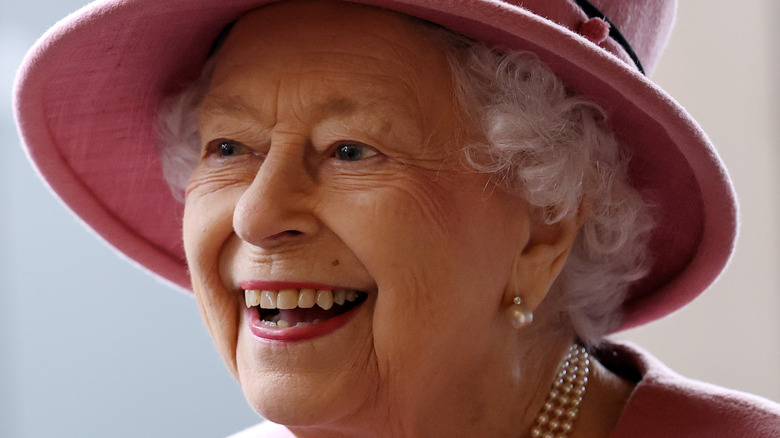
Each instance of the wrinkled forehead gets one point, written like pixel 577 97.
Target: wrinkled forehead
pixel 345 58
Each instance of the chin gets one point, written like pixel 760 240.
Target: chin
pixel 309 382
pixel 303 401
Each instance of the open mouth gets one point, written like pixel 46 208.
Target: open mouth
pixel 301 307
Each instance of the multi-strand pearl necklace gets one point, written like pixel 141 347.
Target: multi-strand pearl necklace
pixel 556 418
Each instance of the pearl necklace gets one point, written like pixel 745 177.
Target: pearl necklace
pixel 556 418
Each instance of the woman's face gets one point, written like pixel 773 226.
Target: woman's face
pixel 332 161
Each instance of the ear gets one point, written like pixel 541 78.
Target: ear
pixel 541 260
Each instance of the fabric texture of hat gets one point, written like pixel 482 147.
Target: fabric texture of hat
pixel 88 95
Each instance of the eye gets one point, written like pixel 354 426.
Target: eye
pixel 354 152
pixel 227 148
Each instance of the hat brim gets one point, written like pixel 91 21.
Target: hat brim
pixel 88 95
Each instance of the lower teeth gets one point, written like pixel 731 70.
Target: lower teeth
pixel 284 324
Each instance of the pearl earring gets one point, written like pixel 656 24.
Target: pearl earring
pixel 519 315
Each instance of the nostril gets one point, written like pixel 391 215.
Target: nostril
pixel 283 235
pixel 273 240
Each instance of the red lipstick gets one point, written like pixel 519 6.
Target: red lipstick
pixel 296 334
pixel 327 325
pixel 279 285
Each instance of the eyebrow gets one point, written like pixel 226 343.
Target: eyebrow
pixel 227 105
pixel 338 106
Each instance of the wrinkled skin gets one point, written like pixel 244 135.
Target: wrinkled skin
pixel 436 245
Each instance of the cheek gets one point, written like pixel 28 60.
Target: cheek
pixel 210 201
pixel 423 227
pixel 438 246
pixel 384 218
pixel 208 223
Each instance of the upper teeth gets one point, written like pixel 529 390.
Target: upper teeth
pixel 293 298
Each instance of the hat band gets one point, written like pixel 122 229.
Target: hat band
pixel 593 12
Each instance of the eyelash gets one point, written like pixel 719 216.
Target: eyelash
pixel 343 148
pixel 223 148
pixel 219 148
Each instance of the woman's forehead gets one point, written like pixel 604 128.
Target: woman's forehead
pixel 331 60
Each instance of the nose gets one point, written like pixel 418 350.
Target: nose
pixel 277 207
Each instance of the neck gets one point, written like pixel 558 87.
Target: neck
pixel 501 399
pixel 606 398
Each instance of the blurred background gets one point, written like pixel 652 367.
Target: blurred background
pixel 90 347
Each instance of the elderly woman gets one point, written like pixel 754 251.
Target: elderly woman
pixel 403 218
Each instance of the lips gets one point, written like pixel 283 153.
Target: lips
pixel 290 312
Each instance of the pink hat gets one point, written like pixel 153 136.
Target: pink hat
pixel 88 94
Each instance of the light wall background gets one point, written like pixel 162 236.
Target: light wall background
pixel 722 64
pixel 92 348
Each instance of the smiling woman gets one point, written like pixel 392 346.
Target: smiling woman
pixel 407 222
pixel 288 205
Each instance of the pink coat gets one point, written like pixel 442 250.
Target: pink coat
pixel 663 404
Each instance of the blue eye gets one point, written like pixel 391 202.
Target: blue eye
pixel 354 152
pixel 226 148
